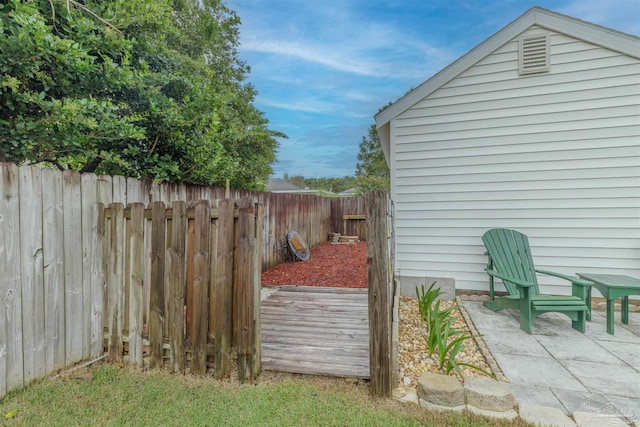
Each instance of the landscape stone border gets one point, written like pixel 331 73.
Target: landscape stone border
pixel 485 396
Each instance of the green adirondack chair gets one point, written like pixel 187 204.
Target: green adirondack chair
pixel 510 260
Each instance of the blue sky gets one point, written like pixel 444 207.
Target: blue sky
pixel 323 68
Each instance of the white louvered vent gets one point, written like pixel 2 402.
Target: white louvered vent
pixel 533 54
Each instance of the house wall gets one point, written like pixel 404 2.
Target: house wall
pixel 554 155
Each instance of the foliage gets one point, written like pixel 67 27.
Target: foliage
pixel 442 337
pixel 330 185
pixel 439 329
pixel 426 300
pixel 154 89
pixel 371 160
pixel 372 171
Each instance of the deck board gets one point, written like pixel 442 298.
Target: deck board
pixel 311 330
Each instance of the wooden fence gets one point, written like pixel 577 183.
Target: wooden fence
pixel 65 297
pixel 52 277
pixel 203 295
pixel 348 216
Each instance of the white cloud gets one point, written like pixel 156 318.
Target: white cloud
pixel 307 105
pixel 621 15
pixel 327 56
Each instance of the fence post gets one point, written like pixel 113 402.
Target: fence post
pixel 380 281
pixel 245 321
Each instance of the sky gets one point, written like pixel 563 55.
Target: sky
pixel 324 68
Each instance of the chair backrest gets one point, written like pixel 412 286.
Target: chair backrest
pixel 510 253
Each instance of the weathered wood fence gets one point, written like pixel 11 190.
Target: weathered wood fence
pixel 383 299
pixel 52 271
pixel 203 294
pixel 348 216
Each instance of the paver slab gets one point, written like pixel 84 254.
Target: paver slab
pixel 537 371
pixel 577 348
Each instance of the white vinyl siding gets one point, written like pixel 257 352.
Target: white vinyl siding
pixel 555 155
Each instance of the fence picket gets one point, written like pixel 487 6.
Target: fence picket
pixel 243 290
pixel 115 284
pixel 188 296
pixel 10 209
pixel 33 339
pixel 257 245
pixel 136 270
pixel 89 272
pixel 220 319
pixel 53 249
pixel 200 284
pixel 104 190
pixel 157 314
pixel 73 265
pixel 119 189
pixel 176 276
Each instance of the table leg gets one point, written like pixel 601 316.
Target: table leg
pixel 610 319
pixel 589 304
pixel 624 308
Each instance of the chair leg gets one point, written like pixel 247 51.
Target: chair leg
pixel 491 289
pixel 525 310
pixel 584 293
pixel 580 324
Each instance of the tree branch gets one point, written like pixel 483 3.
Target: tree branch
pixel 92 13
pixel 92 165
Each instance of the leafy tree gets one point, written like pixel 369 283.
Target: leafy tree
pixel 372 171
pixel 144 88
pixel 297 180
pixel 328 185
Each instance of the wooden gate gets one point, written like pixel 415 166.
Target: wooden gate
pixel 183 285
pixel 344 332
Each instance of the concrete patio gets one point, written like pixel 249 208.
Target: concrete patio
pixel 592 377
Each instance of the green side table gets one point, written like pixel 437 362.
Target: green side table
pixel 612 287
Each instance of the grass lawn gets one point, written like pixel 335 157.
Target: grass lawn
pixel 109 395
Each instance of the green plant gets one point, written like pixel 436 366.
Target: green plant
pixel 439 328
pixel 450 363
pixel 442 337
pixel 426 300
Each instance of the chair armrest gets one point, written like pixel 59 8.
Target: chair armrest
pixel 517 282
pixel 573 280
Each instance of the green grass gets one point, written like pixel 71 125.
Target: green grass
pixel 112 396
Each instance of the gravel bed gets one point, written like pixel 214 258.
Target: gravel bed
pixel 412 353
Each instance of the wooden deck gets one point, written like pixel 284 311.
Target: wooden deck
pixel 312 330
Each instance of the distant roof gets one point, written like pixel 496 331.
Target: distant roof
pixel 278 184
pixel 349 192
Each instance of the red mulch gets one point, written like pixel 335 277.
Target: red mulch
pixel 338 266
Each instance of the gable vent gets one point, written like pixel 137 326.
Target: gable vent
pixel 533 54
